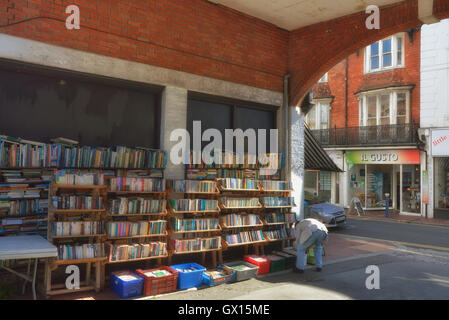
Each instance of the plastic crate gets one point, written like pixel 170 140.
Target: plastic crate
pixel 158 285
pixel 126 284
pixel 290 260
pixel 189 279
pixel 248 273
pixel 261 262
pixel 277 263
pixel 229 276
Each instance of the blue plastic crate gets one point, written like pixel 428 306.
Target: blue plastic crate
pixel 189 279
pixel 229 277
pixel 126 289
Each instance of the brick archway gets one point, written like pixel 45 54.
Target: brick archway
pixel 313 50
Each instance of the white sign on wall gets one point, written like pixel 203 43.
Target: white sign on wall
pixel 440 142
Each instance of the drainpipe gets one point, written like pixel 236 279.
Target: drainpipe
pixel 287 129
pixel 346 92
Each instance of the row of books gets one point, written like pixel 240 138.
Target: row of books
pixel 76 228
pixel 78 202
pixel 20 153
pixel 23 207
pixel 269 185
pixel 25 176
pixel 137 251
pixel 274 217
pixel 210 174
pixel 137 206
pixel 235 160
pixel 277 201
pixel 245 237
pixel 194 205
pixel 240 220
pixel 240 202
pixel 137 184
pixel 180 225
pixel 233 183
pixel 73 177
pixel 130 229
pixel 22 193
pixel 197 244
pixel 84 251
pixel 279 234
pixel 193 186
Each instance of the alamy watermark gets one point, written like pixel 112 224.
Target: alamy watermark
pixel 373 280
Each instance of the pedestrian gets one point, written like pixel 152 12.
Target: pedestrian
pixel 309 232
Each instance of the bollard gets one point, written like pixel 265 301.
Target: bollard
pixel 387 205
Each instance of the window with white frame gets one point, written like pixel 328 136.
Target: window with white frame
pixel 385 54
pixel 318 116
pixel 384 107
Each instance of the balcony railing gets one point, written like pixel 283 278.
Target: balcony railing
pixel 396 134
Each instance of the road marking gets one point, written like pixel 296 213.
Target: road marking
pixel 410 244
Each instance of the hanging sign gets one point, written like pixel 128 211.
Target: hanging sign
pixel 383 157
pixel 440 142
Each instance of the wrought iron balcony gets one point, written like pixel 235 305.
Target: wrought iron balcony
pixel 391 135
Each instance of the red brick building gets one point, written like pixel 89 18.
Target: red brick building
pixel 366 109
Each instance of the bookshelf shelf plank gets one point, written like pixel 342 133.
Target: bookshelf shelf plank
pixel 246 226
pixel 138 214
pixel 80 236
pixel 194 231
pixel 205 211
pixel 244 243
pixel 76 261
pixel 137 192
pixel 139 236
pixel 197 251
pixel 81 187
pixel 138 259
pixel 68 211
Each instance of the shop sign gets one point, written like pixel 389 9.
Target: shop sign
pixel 440 142
pixel 383 157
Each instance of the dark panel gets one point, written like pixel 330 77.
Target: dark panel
pixel 212 115
pixel 39 107
pixel 249 118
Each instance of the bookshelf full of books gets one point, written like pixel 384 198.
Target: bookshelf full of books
pixel 194 218
pixel 136 224
pixel 278 218
pixel 24 201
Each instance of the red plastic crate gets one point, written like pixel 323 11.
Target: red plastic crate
pixel 159 285
pixel 261 262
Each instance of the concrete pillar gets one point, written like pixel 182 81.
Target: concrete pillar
pixel 173 116
pixel 297 159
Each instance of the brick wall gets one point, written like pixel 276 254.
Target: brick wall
pixel 358 80
pixel 194 36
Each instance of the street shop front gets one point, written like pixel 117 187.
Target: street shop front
pixel 374 173
pixel 439 150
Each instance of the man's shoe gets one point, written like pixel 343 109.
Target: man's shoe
pixel 296 270
pixel 318 269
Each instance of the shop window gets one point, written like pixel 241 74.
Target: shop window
pixel 323 79
pixel 385 54
pixel 318 117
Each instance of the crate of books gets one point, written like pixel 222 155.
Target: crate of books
pixel 126 284
pixel 220 276
pixel 158 281
pixel 261 262
pixel 189 275
pixel 290 259
pixel 244 270
pixel 277 263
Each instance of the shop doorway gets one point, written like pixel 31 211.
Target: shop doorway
pixel 410 189
pixel 441 188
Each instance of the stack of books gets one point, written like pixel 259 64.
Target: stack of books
pixel 78 202
pixel 130 229
pixel 197 244
pixel 190 186
pixel 23 207
pixel 137 184
pixel 180 225
pixel 77 228
pixel 245 237
pixel 272 185
pixel 232 183
pixel 277 234
pixel 241 220
pixel 73 177
pixel 137 251
pixel 194 205
pixel 277 201
pixel 137 206
pixel 240 202
pixel 85 251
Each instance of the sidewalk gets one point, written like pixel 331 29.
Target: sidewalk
pixel 338 248
pixel 396 217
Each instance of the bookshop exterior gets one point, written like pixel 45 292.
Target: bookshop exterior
pixel 372 173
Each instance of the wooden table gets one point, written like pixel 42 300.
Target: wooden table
pixel 26 247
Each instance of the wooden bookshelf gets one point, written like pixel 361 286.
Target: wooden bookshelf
pixel 138 259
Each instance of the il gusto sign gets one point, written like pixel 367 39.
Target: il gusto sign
pixel 440 142
pixel 383 157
